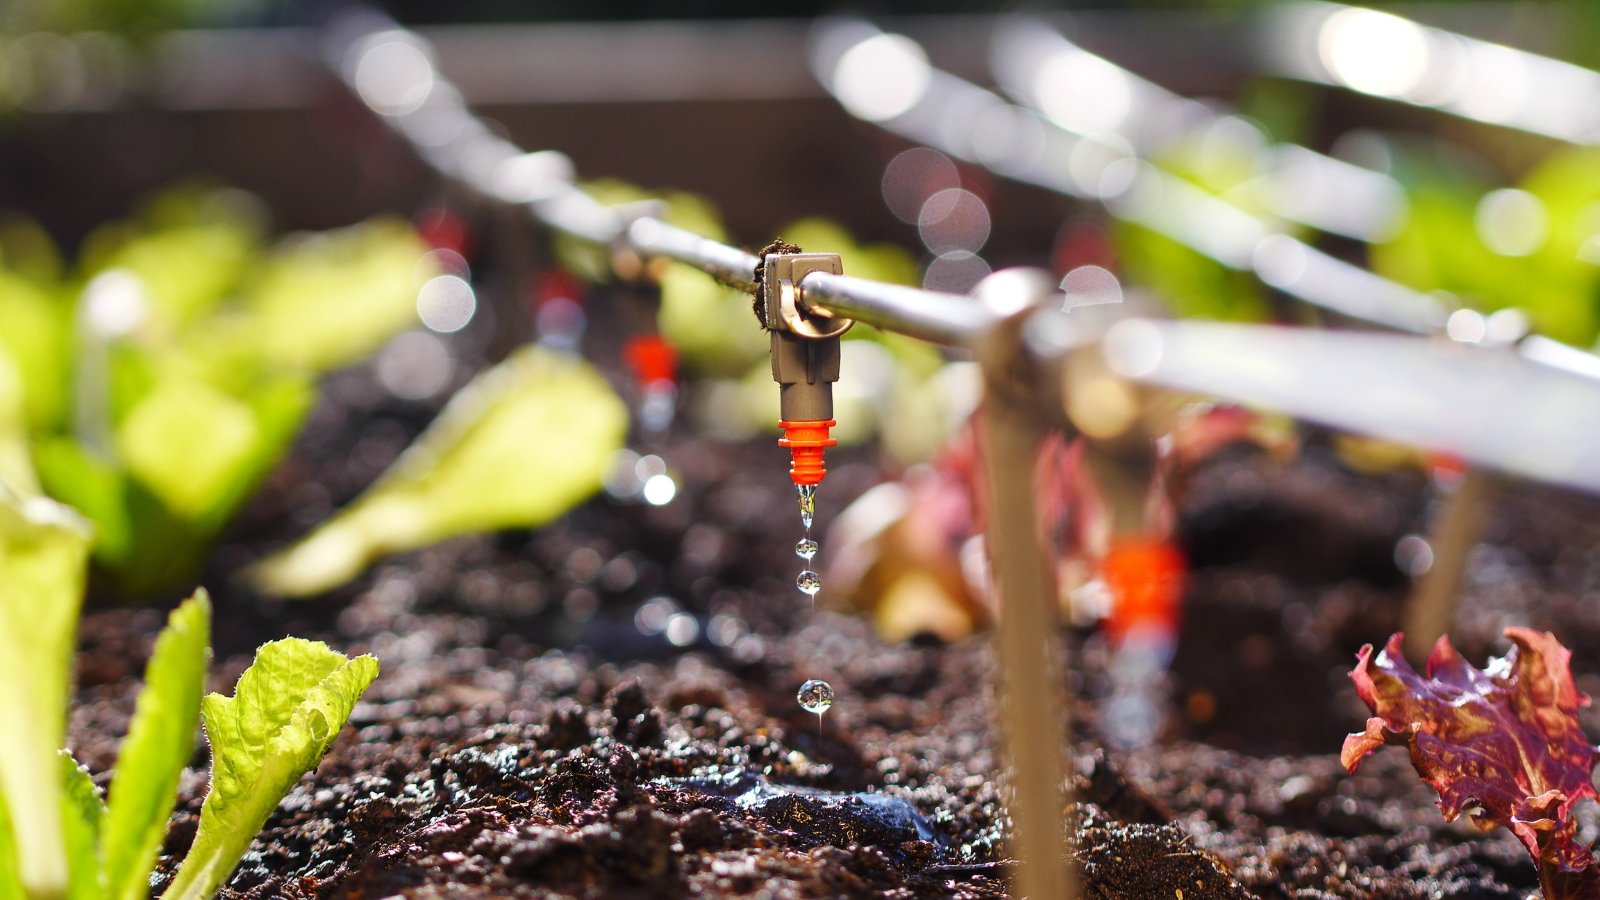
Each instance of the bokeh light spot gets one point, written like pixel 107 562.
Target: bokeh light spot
pixel 882 77
pixel 446 303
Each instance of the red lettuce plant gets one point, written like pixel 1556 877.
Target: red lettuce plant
pixel 1502 744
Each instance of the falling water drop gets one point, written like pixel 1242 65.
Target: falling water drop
pixel 808 503
pixel 806 548
pixel 815 696
pixel 809 583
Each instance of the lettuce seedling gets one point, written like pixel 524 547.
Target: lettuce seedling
pixel 58 839
pixel 156 389
pixel 16 470
pixel 1502 744
pixel 44 547
pixel 523 443
pixel 285 712
pixel 160 740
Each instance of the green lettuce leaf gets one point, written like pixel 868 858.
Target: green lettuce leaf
pixel 191 246
pixel 522 444
pixel 93 486
pixel 185 442
pixel 34 331
pixel 81 812
pixel 15 469
pixel 10 876
pixel 328 299
pixel 43 549
pixel 188 456
pixel 160 741
pixel 286 710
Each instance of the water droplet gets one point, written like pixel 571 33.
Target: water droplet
pixel 808 503
pixel 815 696
pixel 808 582
pixel 806 548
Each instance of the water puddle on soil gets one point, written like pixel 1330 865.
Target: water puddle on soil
pixel 831 817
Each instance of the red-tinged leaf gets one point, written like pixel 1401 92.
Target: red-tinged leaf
pixel 1502 743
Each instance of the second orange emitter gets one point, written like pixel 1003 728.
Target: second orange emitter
pixel 1145 575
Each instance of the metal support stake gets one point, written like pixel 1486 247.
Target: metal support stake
pixel 1031 678
pixel 1437 595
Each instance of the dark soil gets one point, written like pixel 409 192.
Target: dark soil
pixel 526 739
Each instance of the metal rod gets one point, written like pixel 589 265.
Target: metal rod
pixel 1537 94
pixel 490 165
pixel 952 319
pixel 1437 594
pixel 1028 634
pixel 728 265
pixel 571 211
pixel 1031 712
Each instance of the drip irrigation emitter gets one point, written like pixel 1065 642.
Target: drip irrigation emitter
pixel 1141 568
pixel 805 356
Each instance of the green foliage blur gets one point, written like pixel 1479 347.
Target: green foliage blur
pixel 1471 235
pixel 1448 243
pixel 137 20
pixel 43 546
pixel 1192 284
pixel 154 384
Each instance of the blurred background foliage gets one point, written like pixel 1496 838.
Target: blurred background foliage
pixel 156 381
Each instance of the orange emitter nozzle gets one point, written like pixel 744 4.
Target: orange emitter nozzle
pixel 806 442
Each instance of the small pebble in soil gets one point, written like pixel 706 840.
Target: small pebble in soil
pixel 808 582
pixel 815 696
pixel 806 548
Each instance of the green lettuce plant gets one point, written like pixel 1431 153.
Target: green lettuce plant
pixel 43 547
pixel 154 390
pixel 517 447
pixel 58 837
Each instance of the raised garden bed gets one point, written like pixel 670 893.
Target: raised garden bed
pixel 605 706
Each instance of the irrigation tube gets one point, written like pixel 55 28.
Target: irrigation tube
pixel 392 71
pixel 974 124
pixel 961 119
pixel 1087 94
